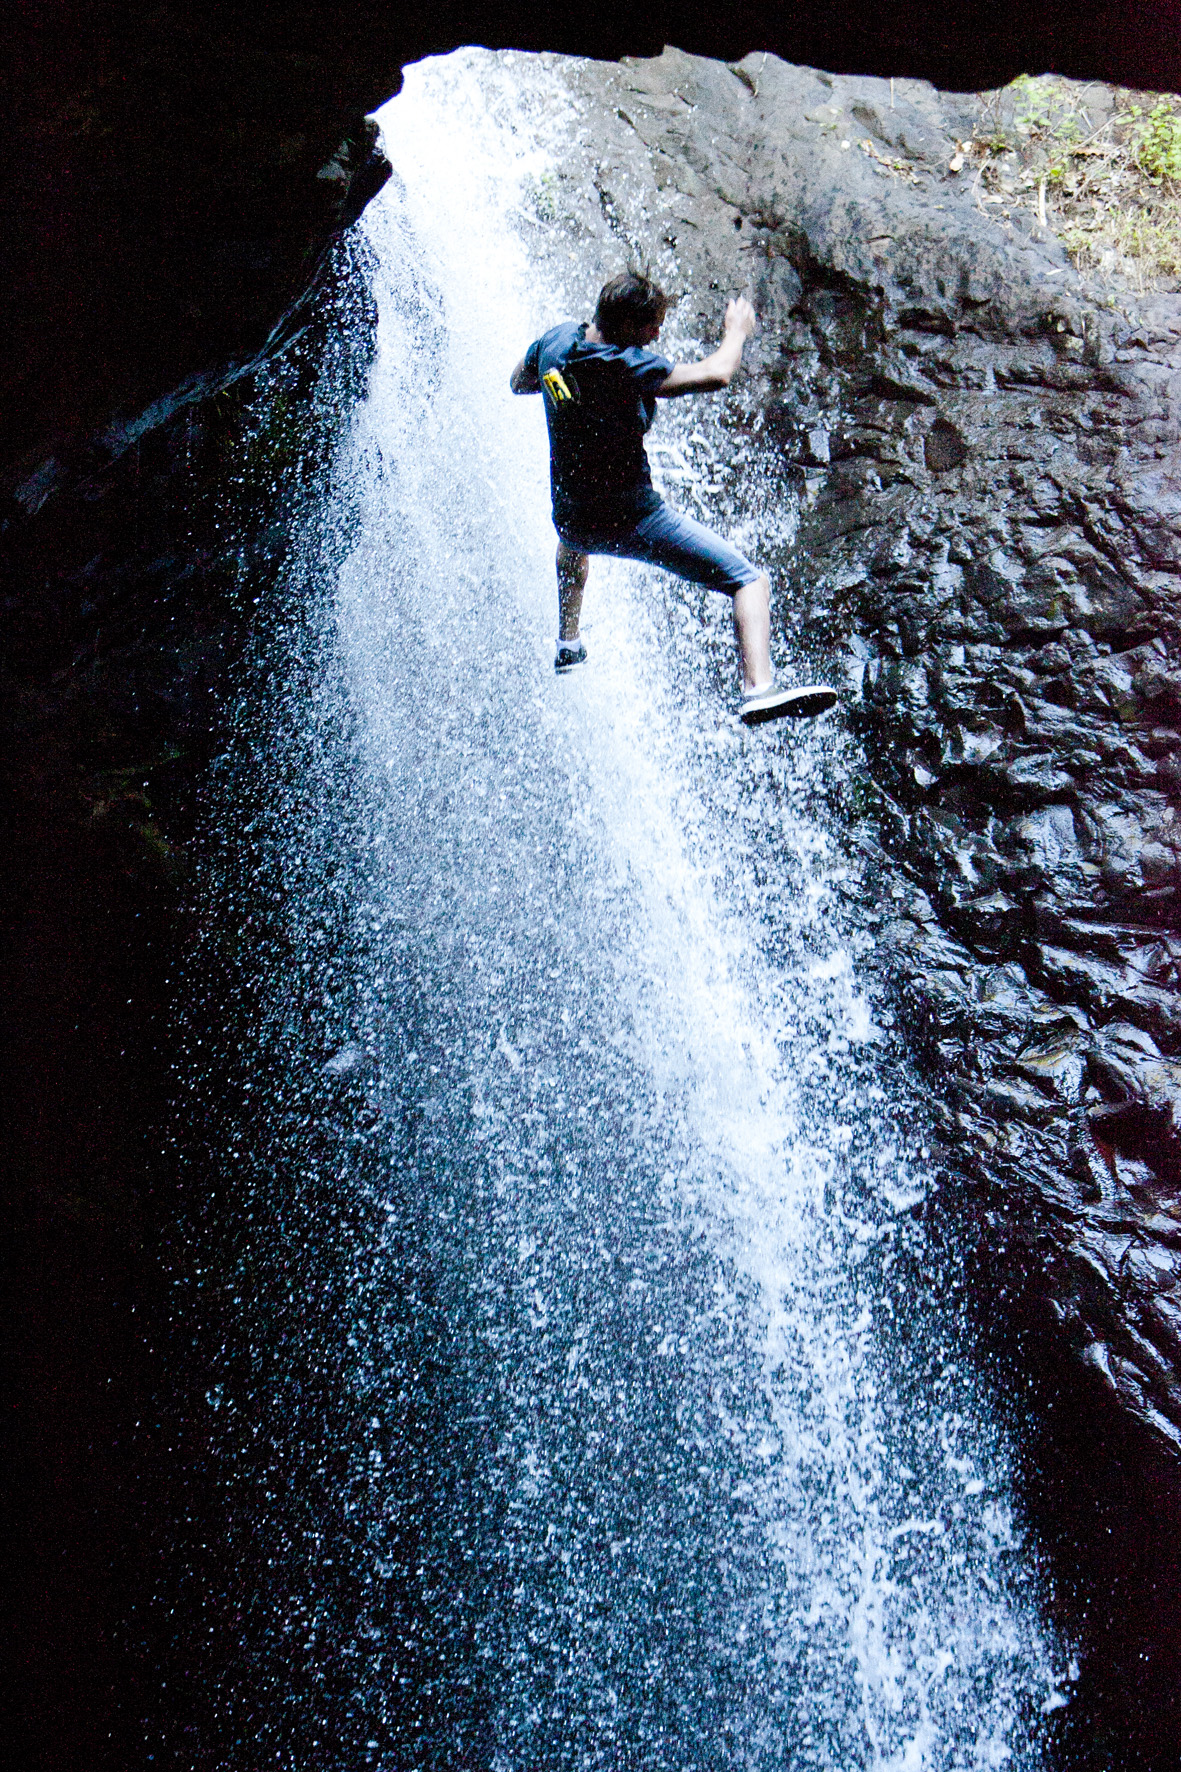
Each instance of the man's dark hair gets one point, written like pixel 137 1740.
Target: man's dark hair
pixel 628 306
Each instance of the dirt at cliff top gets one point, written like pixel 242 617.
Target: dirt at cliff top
pixel 1098 165
pixel 984 446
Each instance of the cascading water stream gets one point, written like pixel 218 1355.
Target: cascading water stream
pixel 660 1450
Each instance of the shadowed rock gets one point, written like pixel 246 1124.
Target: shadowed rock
pixel 987 453
pixel 173 175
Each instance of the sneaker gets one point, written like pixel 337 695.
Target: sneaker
pixel 569 654
pixel 761 705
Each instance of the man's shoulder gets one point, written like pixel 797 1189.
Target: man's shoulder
pixel 641 360
pixel 559 338
pixel 626 363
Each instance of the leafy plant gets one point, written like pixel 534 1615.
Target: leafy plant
pixel 541 196
pixel 1158 143
pixel 1099 166
pixel 1037 105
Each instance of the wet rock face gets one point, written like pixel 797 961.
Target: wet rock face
pixel 990 469
pixel 173 174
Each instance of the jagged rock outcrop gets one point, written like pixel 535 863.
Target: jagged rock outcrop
pixel 171 175
pixel 989 459
pixel 170 186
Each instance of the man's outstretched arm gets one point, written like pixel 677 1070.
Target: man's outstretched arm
pixel 715 371
pixel 523 380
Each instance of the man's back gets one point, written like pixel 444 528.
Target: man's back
pixel 600 399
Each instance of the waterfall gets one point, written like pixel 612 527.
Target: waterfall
pixel 652 1439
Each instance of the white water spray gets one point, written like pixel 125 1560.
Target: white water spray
pixel 723 1497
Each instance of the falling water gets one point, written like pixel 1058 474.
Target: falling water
pixel 587 1398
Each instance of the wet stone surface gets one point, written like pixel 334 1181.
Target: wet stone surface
pixel 983 456
pixel 986 453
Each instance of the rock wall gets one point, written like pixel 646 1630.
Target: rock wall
pixel 985 449
pixel 171 175
pixel 988 457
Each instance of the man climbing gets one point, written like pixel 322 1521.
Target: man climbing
pixel 601 383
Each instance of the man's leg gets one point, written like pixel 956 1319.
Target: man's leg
pixel 683 545
pixel 572 571
pixel 752 625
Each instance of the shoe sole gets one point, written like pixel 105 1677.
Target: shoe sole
pixel 790 704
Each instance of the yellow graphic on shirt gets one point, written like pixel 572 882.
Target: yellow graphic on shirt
pixel 558 388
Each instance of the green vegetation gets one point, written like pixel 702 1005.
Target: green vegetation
pixel 1098 166
pixel 1158 150
pixel 1042 107
pixel 541 197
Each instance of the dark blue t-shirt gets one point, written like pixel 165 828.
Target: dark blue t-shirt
pixel 599 402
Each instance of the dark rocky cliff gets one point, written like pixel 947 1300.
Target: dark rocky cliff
pixel 986 445
pixel 172 175
pixel 987 448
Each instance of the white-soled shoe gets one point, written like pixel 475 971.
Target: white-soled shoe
pixel 569 653
pixel 800 703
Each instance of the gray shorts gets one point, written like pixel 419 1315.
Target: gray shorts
pixel 678 543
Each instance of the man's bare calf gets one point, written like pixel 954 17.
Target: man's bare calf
pixel 751 604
